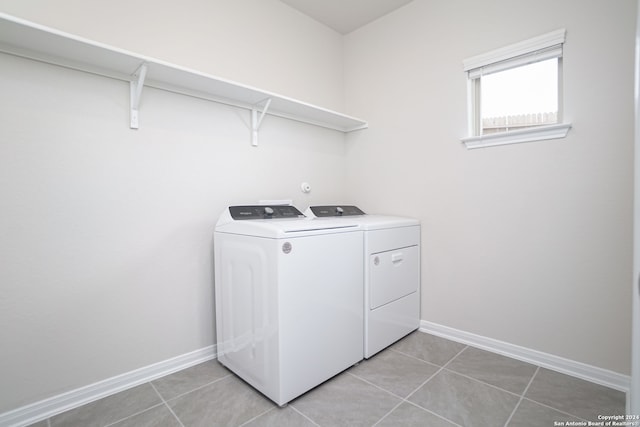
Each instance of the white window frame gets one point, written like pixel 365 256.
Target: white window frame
pixel 536 49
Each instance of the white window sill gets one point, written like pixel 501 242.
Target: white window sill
pixel 538 133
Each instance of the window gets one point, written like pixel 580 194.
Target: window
pixel 515 93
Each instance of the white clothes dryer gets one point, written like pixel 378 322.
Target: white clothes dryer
pixel 288 298
pixel 391 249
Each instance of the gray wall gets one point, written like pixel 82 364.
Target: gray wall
pixel 106 232
pixel 531 243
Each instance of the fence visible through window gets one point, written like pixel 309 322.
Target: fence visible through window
pixel 519 121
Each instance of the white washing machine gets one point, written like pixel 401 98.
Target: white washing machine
pixel 289 294
pixel 391 249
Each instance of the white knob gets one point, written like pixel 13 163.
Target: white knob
pixel 339 210
pixel 268 210
pixel 305 187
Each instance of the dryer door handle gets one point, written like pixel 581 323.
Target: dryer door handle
pixel 397 258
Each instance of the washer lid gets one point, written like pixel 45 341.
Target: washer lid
pixel 277 221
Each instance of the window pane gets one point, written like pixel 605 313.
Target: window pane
pixel 520 97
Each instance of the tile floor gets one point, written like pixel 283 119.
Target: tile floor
pixel 421 380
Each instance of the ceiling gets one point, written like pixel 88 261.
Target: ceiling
pixel 345 16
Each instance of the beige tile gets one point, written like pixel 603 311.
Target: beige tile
pixel 110 409
pixel 281 417
pixel 574 396
pixel 469 391
pixel 227 402
pixel 465 401
pixel 158 416
pixel 408 415
pixel 504 372
pixel 428 347
pixel 394 372
pixel 531 414
pixel 190 379
pixel 345 401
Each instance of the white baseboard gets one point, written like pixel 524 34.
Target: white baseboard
pixel 46 408
pixel 556 363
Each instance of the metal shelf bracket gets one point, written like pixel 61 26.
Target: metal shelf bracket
pixel 135 90
pixel 256 119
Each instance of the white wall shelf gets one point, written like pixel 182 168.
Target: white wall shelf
pixel 29 40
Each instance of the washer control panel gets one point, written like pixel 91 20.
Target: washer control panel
pixel 336 210
pixel 264 212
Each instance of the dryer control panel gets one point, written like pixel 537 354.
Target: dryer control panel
pixel 335 210
pixel 264 212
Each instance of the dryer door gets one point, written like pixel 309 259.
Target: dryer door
pixel 393 274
